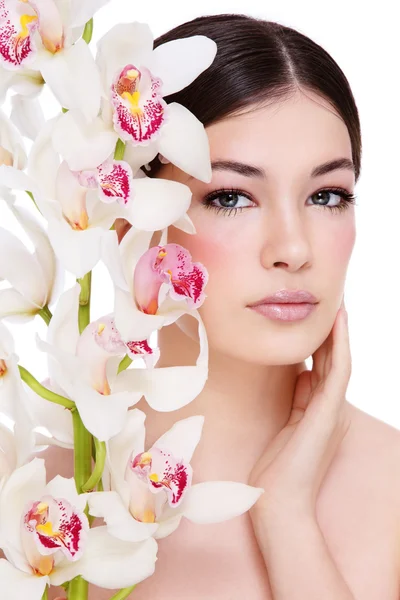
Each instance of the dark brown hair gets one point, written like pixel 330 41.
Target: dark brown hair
pixel 260 61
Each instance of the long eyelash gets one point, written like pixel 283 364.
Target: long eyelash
pixel 347 200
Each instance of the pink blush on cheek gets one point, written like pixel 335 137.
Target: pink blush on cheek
pixel 211 253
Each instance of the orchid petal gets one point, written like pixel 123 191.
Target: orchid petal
pixel 15 307
pixel 179 62
pixel 44 252
pixel 130 440
pixel 103 415
pixel 157 203
pixel 11 143
pixel 17 584
pixel 133 324
pixel 64 487
pixel 168 526
pixel 217 501
pixel 184 141
pixel 78 251
pixel 55 418
pixel 111 257
pixel 122 44
pixel 109 562
pixel 17 180
pixel 24 272
pixel 27 115
pixel 74 78
pixel 43 163
pixel 82 145
pixel 63 330
pixel 183 437
pixel 171 264
pixel 23 485
pixel 137 156
pixel 115 181
pixel 120 522
pixel 159 385
pixel 184 223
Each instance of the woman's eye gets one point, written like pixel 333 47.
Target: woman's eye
pixel 227 201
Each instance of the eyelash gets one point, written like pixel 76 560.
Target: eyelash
pixel 346 200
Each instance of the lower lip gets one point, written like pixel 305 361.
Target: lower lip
pixel 285 312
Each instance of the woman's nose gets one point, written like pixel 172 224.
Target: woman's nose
pixel 286 242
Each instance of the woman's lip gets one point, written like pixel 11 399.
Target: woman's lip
pixel 285 311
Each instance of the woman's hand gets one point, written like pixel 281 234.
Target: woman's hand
pixel 295 463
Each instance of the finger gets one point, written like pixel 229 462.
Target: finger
pixel 336 383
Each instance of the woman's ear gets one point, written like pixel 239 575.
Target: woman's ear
pixel 122 226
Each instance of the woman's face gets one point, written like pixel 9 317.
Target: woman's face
pixel 280 236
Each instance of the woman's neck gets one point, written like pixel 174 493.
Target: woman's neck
pixel 244 404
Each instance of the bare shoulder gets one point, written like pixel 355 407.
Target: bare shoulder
pixel 359 507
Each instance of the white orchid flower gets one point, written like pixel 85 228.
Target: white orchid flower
pixel 152 490
pixel 43 35
pixel 154 288
pixel 46 539
pixel 12 147
pixel 85 366
pixel 135 78
pixel 149 204
pixel 31 275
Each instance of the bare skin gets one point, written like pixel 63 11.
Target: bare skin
pixel 278 240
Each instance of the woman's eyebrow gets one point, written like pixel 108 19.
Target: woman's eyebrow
pixel 253 171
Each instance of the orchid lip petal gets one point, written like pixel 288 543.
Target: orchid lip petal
pixel 16 36
pixel 115 180
pixel 139 109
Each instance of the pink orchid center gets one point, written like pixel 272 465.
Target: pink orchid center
pixel 156 477
pixel 51 526
pixel 113 178
pixel 138 105
pixel 16 32
pixel 3 368
pixel 171 264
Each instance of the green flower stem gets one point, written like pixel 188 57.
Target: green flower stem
pixel 33 199
pixel 82 452
pixel 45 596
pixel 64 109
pixel 122 594
pixel 88 31
pixel 78 589
pixel 99 467
pixel 124 364
pixel 46 314
pixel 119 150
pixel 84 301
pixel 43 391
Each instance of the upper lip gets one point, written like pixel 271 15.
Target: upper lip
pixel 288 296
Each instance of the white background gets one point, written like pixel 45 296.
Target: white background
pixel 365 43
